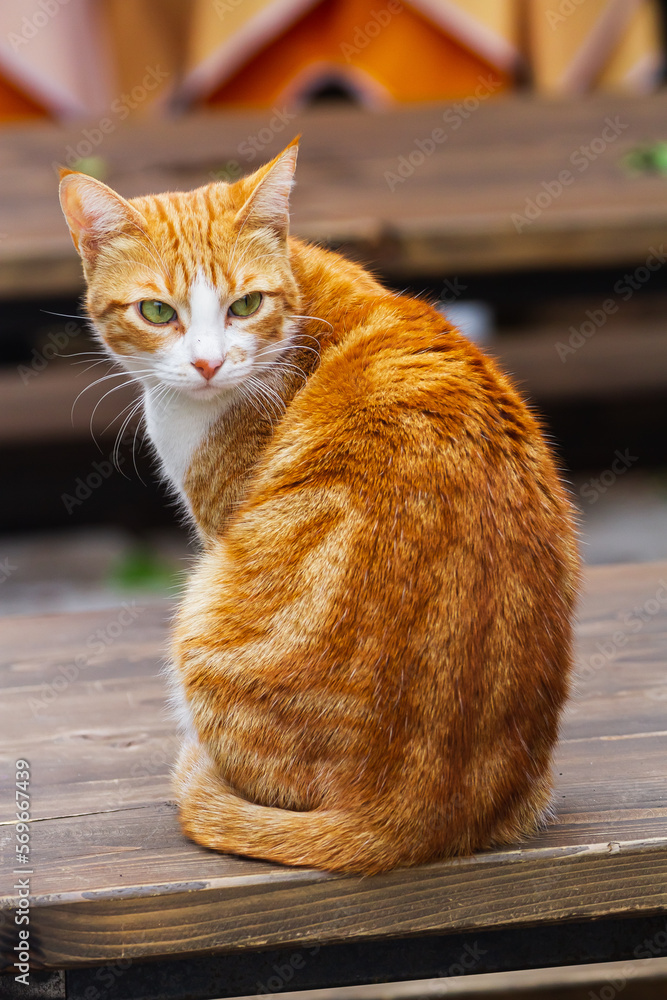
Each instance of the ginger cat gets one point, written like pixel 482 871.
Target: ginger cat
pixel 372 654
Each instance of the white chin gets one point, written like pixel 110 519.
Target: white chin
pixel 205 390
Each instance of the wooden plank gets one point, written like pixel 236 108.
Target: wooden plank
pixel 626 358
pixel 259 911
pixel 113 877
pixel 451 212
pixel 60 403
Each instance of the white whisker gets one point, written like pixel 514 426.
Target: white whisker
pixel 134 444
pixel 279 348
pixel 132 403
pixel 256 388
pixel 86 361
pixel 269 393
pixel 65 315
pixel 119 437
pixel 81 354
pixel 94 364
pixel 246 392
pixel 134 377
pixel 115 388
pixel 104 378
pixel 318 318
pixel 86 388
pixel 273 365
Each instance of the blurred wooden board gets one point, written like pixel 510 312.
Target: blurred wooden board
pixel 628 359
pixel 83 701
pixel 60 403
pixel 454 211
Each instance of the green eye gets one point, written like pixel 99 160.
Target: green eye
pixel 156 312
pixel 248 305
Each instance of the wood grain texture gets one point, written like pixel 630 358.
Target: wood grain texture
pixel 113 877
pixel 450 214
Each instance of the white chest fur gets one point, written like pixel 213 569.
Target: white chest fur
pixel 177 425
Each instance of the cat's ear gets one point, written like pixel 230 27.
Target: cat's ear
pixel 94 212
pixel 268 203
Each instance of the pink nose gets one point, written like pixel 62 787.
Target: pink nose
pixel 207 369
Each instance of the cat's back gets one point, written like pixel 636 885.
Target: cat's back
pixel 407 461
pixel 400 395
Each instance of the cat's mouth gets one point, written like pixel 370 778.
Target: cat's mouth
pixel 205 390
pixel 220 384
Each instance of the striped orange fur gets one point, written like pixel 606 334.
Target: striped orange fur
pixel 373 651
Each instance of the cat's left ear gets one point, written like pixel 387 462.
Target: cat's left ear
pixel 268 204
pixel 94 212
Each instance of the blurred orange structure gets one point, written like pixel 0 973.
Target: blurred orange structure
pixel 576 47
pixel 80 58
pixel 258 53
pixel 54 61
pixel 16 105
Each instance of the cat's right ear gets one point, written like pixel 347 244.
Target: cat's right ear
pixel 93 211
pixel 270 186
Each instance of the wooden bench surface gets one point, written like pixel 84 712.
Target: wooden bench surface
pixel 113 878
pixel 450 214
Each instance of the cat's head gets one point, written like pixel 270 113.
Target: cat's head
pixel 190 290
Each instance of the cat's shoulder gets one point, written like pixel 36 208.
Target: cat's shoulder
pixel 405 354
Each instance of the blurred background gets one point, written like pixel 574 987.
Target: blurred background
pixel 505 158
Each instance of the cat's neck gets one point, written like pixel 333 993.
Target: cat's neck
pixel 335 291
pixel 207 449
pixel 178 425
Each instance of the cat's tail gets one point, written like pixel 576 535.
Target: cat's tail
pixel 213 815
